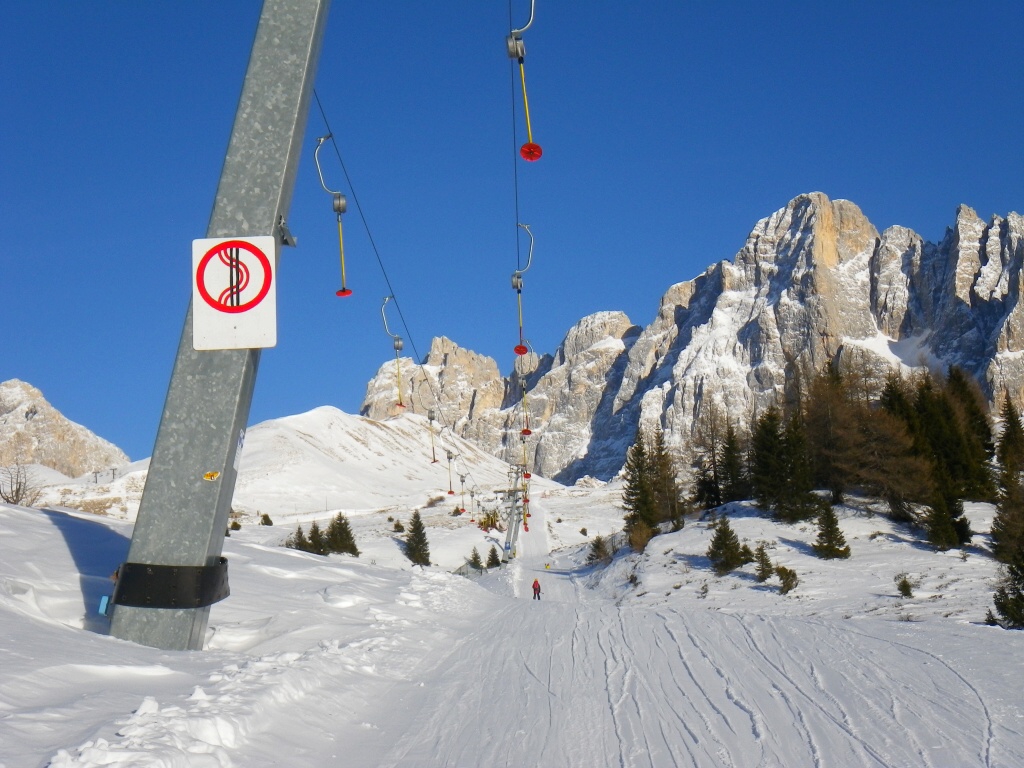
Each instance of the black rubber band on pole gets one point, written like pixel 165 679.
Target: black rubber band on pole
pixel 143 585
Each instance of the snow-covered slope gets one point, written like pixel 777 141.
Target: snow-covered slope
pixel 315 464
pixel 319 661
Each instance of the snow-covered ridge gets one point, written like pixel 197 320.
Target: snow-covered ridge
pixel 317 463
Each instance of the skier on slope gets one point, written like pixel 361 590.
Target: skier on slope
pixel 536 589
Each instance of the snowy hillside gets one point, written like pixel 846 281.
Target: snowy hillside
pixel 309 466
pixel 318 661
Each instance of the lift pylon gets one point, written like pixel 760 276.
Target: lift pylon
pixel 514 495
pixel 179 531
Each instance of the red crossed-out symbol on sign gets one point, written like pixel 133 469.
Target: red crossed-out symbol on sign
pixel 241 276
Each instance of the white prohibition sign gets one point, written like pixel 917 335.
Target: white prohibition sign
pixel 234 292
pixel 234 276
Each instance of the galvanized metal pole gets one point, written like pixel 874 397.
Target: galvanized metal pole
pixel 187 498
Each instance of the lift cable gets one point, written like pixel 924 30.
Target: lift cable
pixel 380 262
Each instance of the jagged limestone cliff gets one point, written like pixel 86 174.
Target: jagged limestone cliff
pixel 34 432
pixel 815 283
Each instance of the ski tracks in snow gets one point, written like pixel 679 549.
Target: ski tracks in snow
pixel 247 700
pixel 599 684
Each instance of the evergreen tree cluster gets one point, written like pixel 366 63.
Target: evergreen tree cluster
pixel 726 554
pixel 476 562
pixel 337 538
pixel 1008 523
pixel 920 442
pixel 650 493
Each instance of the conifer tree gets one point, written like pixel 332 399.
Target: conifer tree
pixel 1008 524
pixel 939 524
pixel 1009 597
pixel 781 477
pixel 953 462
pixel 897 399
pixel 746 554
pixel 724 552
pixel 768 471
pixel 796 498
pixel 600 551
pixel 640 535
pixel 417 549
pixel 638 495
pixel 706 492
pixel 788 579
pixel 876 456
pixel 475 560
pixel 317 543
pixel 493 558
pixel 666 490
pixel 735 484
pixel 764 564
pixel 941 437
pixel 298 540
pixel 339 536
pixel 828 406
pixel 831 543
pixel 972 411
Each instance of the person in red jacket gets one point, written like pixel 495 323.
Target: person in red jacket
pixel 536 589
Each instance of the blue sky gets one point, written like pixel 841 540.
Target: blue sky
pixel 668 128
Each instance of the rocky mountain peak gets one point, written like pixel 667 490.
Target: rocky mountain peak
pixel 815 283
pixel 34 432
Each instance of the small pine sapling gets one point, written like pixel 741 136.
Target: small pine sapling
pixel 493 558
pixel 640 534
pixel 788 578
pixel 475 561
pixel 398 527
pixel 765 570
pixel 600 551
pixel 746 555
pixel 724 552
pixel 830 544
pixel 265 519
pixel 903 585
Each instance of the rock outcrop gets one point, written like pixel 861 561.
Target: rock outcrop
pixel 34 432
pixel 814 284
